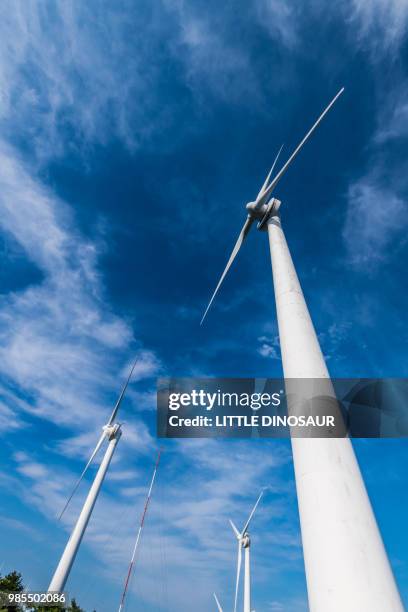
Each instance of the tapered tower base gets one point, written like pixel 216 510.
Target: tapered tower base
pixel 64 566
pixel 347 568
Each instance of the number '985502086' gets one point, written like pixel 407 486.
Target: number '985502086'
pixel 32 599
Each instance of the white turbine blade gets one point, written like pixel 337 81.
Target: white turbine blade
pixel 122 393
pixel 252 513
pixel 275 181
pixel 235 530
pixel 261 191
pixel 218 603
pixel 238 244
pixel 92 457
pixel 238 575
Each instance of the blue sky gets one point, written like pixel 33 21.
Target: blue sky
pixel 131 136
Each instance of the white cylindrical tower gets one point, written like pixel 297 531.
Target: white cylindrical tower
pixel 64 566
pixel 347 568
pixel 247 577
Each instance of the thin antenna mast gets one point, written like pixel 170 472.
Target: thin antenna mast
pixel 132 560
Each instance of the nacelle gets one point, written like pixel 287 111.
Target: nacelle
pixel 256 210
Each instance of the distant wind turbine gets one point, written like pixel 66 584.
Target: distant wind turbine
pixel 112 433
pixel 244 542
pixel 346 564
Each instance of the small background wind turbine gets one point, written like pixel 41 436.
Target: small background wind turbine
pixel 244 542
pixel 112 433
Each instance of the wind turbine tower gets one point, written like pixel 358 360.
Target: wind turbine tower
pixel 112 433
pixel 347 568
pixel 244 542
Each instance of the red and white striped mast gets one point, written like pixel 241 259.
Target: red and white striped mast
pixel 139 532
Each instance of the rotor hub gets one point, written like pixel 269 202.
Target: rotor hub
pixel 257 211
pixel 269 210
pixel 112 431
pixel 245 542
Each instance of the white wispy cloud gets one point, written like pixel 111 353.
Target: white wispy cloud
pixel 392 120
pixel 376 218
pixel 60 342
pixel 334 339
pixel 269 347
pixel 68 81
pixel 19 527
pixel 280 19
pixel 217 61
pixel 9 419
pixel 208 57
pixel 375 223
pixel 381 24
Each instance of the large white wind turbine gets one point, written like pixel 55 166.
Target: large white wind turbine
pixel 244 542
pixel 346 565
pixel 110 432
